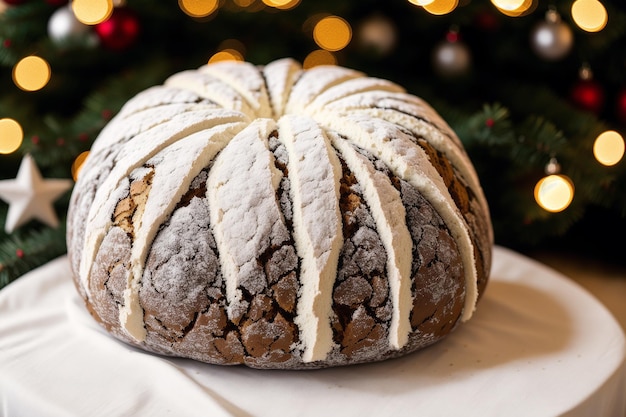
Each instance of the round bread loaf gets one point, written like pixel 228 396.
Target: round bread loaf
pixel 279 218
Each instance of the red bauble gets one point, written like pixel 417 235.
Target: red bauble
pixel 588 95
pixel 120 31
pixel 620 110
pixel 14 2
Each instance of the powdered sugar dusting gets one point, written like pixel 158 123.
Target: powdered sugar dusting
pixel 280 77
pixel 388 212
pixel 315 172
pixel 246 79
pixel 408 161
pixel 230 189
pixel 245 215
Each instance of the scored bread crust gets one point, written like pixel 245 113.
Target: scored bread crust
pixel 279 218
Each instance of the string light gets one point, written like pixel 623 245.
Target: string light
pixel 92 12
pixel 31 73
pixel 77 165
pixel 554 193
pixel 11 136
pixel 226 55
pixel 198 8
pixel 421 2
pixel 608 148
pixel 319 57
pixel 523 9
pixel 441 7
pixel 282 4
pixel 589 15
pixel 332 33
pixel 508 5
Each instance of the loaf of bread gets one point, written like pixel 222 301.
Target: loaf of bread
pixel 278 217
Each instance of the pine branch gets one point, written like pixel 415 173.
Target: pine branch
pixel 24 251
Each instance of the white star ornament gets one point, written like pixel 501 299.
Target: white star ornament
pixel 31 197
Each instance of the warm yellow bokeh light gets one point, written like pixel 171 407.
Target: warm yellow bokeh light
pixel 226 55
pixel 524 8
pixel 589 15
pixel 332 33
pixel 282 4
pixel 11 136
pixel 31 73
pixel 441 7
pixel 609 148
pixel 319 57
pixel 509 5
pixel 92 12
pixel 421 2
pixel 554 193
pixel 78 164
pixel 198 8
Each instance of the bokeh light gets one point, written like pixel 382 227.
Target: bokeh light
pixel 282 4
pixel 525 8
pixel 608 148
pixel 198 8
pixel 554 193
pixel 319 57
pixel 78 164
pixel 332 33
pixel 441 7
pixel 589 15
pixel 31 73
pixel 11 136
pixel 508 5
pixel 421 2
pixel 226 55
pixel 92 12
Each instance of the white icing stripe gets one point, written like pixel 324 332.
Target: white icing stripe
pixel 409 162
pixel 245 215
pixel 155 139
pixel 247 80
pixel 315 172
pixel 212 88
pixel 141 121
pixel 457 156
pixel 389 214
pixel 280 77
pixel 155 97
pixel 175 168
pixel 401 102
pixel 351 88
pixel 313 82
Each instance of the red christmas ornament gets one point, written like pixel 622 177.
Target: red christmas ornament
pixel 120 31
pixel 588 95
pixel 620 109
pixel 15 2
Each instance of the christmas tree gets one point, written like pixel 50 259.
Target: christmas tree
pixel 536 91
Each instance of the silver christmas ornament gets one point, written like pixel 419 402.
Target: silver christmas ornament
pixel 452 58
pixel 552 39
pixel 63 26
